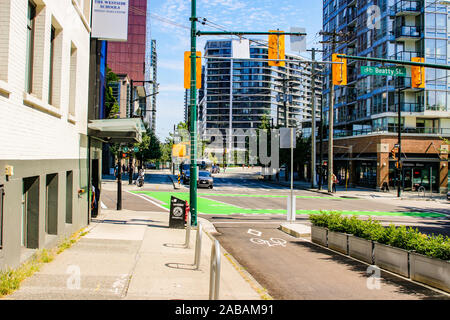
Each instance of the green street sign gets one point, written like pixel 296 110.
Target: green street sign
pixel 125 149
pixel 384 71
pixel 136 149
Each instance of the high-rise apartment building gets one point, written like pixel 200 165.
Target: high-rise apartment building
pixel 365 111
pixel 240 93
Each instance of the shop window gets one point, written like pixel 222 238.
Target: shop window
pixel 30 213
pixel 69 196
pixel 2 194
pixel 51 206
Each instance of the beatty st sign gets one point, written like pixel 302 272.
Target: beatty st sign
pixel 384 71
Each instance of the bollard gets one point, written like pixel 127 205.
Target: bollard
pixel 214 275
pixel 188 230
pixel 198 246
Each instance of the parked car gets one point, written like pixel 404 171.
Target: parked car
pixel 215 169
pixel 150 166
pixel 186 176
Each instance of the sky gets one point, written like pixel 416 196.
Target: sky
pixel 172 39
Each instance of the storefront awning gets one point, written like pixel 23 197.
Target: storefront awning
pixel 127 130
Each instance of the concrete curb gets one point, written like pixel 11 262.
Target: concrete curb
pixel 173 182
pixel 368 264
pixel 211 231
pixel 293 232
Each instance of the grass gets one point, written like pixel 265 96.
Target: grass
pixel 11 279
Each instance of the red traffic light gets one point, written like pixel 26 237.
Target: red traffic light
pixel 124 155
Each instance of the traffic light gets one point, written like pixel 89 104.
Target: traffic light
pixel 394 154
pixel 417 74
pixel 276 49
pixel 124 155
pixel 339 71
pixel 187 70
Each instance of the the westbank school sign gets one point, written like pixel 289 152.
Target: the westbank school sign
pixel 110 19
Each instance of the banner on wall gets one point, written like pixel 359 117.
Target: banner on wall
pixel 110 20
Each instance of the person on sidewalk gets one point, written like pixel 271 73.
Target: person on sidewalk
pixel 334 182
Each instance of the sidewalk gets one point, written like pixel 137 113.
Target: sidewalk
pixel 134 255
pixel 364 193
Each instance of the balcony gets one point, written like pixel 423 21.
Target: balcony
pixel 407 107
pixel 406 7
pixel 392 129
pixel 404 84
pixel 404 33
pixel 405 55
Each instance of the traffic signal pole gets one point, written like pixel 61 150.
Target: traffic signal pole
pixel 193 98
pixel 399 161
pixel 193 116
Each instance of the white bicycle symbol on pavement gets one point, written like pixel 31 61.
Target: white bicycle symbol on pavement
pixel 271 242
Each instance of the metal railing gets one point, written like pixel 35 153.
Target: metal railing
pixel 408 31
pixel 406 6
pixel 188 231
pixel 214 276
pixel 198 246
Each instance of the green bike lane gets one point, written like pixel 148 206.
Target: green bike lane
pixel 229 204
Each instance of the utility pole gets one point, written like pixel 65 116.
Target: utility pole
pixel 313 120
pixel 399 161
pixel 333 42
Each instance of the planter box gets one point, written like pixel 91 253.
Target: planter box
pixel 431 271
pixel 338 241
pixel 392 259
pixel 319 235
pixel 360 248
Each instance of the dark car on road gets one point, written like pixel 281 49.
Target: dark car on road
pixel 205 180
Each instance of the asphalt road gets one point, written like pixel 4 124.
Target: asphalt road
pixel 288 267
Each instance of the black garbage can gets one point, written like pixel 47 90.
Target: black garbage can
pixel 177 213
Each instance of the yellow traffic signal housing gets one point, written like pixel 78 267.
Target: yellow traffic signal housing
pixel 417 74
pixel 179 150
pixel 394 153
pixel 187 70
pixel 339 71
pixel 276 49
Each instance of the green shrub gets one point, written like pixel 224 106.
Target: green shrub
pixel 400 237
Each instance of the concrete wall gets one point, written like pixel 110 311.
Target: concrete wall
pixel 39 138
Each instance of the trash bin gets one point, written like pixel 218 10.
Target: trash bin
pixel 177 213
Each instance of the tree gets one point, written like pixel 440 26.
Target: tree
pixel 112 107
pixel 150 147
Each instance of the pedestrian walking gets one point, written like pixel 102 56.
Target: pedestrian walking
pixel 334 182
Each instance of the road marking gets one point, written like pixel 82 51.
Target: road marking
pixel 149 200
pixel 272 242
pixel 254 232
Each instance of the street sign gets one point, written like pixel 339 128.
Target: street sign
pixel 285 138
pixel 384 71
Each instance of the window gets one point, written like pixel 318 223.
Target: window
pixel 31 24
pixel 2 194
pixel 4 40
pixel 52 67
pixel 73 80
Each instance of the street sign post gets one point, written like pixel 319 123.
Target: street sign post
pixel 384 71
